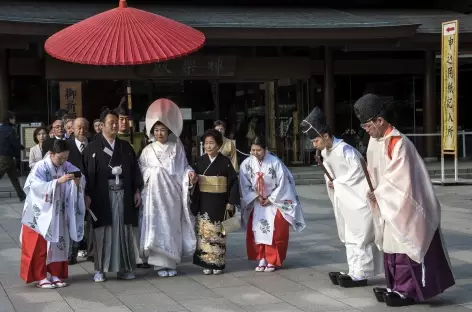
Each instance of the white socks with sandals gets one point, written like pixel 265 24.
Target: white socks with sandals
pixel 263 266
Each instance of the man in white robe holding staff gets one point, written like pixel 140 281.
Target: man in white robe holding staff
pixel 415 257
pixel 346 184
pixel 53 215
pixel 113 193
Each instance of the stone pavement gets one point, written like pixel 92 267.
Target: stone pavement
pixel 302 285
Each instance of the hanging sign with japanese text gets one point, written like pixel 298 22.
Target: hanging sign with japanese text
pixel 70 94
pixel 449 73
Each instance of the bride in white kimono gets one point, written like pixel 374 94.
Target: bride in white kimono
pixel 53 214
pixel 269 205
pixel 167 226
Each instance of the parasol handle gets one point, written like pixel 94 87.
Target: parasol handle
pixel 320 164
pixel 366 173
pixel 130 112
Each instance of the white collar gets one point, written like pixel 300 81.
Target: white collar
pixel 212 158
pixel 79 142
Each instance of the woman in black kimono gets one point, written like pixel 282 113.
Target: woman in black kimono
pixel 216 192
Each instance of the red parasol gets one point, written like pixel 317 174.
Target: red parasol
pixel 124 36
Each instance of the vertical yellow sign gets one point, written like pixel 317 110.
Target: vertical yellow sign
pixel 70 94
pixel 449 73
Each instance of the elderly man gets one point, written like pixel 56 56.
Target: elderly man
pixel 406 208
pixel 77 144
pixel 69 127
pixel 57 131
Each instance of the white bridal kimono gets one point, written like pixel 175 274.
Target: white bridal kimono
pixel 352 211
pixel 167 226
pixel 54 211
pixel 279 188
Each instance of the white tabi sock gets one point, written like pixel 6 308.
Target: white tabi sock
pixel 262 262
pixel 44 281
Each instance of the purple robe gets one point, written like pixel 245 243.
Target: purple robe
pixel 406 276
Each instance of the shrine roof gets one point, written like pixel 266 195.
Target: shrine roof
pixel 67 12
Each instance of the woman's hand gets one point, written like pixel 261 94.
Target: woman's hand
pixel 192 177
pixel 65 178
pixel 330 185
pixel 263 201
pixel 137 199
pixel 87 201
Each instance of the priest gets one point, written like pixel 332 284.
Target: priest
pixel 124 129
pixel 228 148
pixel 113 193
pixel 53 215
pixel 416 261
pixel 347 186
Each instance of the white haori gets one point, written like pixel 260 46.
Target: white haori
pixel 279 189
pixel 352 211
pixel 409 211
pixel 55 211
pixel 167 225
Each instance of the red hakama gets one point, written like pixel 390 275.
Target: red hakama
pixel 33 266
pixel 274 254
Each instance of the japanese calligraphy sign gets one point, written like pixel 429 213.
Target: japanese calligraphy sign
pixel 449 59
pixel 70 94
pixel 191 66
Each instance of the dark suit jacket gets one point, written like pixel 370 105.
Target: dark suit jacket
pixel 75 157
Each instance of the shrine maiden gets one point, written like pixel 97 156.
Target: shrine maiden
pixel 167 225
pixel 213 199
pixel 113 193
pixel 269 205
pixel 53 215
pixel 351 208
pixel 416 261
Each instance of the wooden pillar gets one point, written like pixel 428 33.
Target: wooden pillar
pixel 215 90
pixel 270 113
pixel 429 106
pixel 329 107
pixel 4 84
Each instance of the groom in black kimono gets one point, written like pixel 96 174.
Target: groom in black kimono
pixel 113 192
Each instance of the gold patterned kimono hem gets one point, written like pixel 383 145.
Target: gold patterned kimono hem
pixel 211 244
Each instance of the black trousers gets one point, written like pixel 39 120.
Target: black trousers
pixel 8 166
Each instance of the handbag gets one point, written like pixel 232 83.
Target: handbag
pixel 230 224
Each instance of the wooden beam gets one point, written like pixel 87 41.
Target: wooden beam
pixel 11 45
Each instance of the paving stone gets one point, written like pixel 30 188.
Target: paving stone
pixel 246 295
pixel 151 302
pixel 214 304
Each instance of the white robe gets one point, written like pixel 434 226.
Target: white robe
pixel 167 225
pixel 352 211
pixel 409 211
pixel 55 211
pixel 280 190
